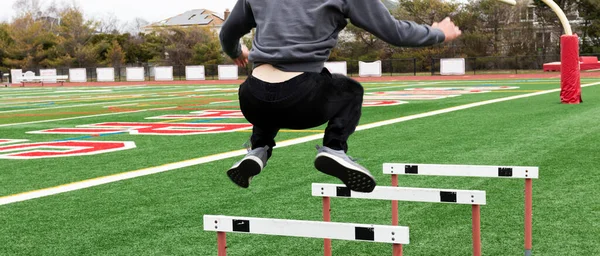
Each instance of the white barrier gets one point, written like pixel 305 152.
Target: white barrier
pixel 425 195
pixel 482 171
pixel 528 173
pixel 135 74
pixel 105 74
pixel 452 66
pixel 337 67
pixel 77 75
pixel 395 235
pixel 195 73
pixel 163 73
pixel 15 76
pixel 228 72
pixel 369 69
pixel 50 73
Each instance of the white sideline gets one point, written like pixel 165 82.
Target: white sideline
pixel 311 229
pixel 173 166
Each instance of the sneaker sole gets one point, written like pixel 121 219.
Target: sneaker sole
pixel 243 173
pixel 355 179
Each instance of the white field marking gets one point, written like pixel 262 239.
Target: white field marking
pixel 311 229
pixel 399 86
pixel 116 102
pixel 207 159
pixel 75 97
pixel 82 117
pixel 8 141
pixel 53 93
pixel 82 91
pixel 79 99
pixel 425 195
pixel 482 171
pixel 124 105
pixel 215 89
pixel 453 109
pixel 222 102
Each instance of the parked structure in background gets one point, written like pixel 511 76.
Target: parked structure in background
pixel 192 18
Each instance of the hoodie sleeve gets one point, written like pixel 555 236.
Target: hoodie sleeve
pixel 239 23
pixel 374 17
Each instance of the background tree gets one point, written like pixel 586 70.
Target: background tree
pixel 590 12
pixel 115 56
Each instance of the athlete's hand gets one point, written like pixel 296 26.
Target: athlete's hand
pixel 242 60
pixel 450 30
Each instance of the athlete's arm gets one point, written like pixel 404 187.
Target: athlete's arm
pixel 239 23
pixel 374 17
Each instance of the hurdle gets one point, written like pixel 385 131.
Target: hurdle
pixel 452 196
pixel 297 228
pixel 481 171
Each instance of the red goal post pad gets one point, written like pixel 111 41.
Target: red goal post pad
pixel 570 71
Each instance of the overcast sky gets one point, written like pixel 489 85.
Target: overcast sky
pixel 127 10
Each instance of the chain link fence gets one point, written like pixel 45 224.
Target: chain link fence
pixel 389 67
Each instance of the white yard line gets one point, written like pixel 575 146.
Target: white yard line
pixel 89 116
pixel 115 102
pixel 56 94
pixel 399 86
pixel 91 104
pixel 202 160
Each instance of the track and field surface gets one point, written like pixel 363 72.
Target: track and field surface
pixel 161 214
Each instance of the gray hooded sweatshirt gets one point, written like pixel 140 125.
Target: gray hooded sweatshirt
pixel 298 35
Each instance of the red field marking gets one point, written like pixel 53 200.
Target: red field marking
pixel 204 114
pixel 381 103
pixel 62 149
pixel 150 128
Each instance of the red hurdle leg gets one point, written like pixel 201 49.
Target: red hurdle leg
pixel 327 217
pixel 396 248
pixel 476 230
pixel 528 215
pixel 222 243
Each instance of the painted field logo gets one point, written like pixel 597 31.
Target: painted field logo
pixel 150 128
pixel 204 114
pixel 382 103
pixel 62 149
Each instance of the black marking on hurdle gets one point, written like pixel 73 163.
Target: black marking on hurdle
pixel 448 197
pixel 241 226
pixel 343 192
pixel 411 169
pixel 364 234
pixel 505 172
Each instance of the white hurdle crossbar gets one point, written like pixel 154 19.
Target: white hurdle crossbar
pixel 298 228
pixel 475 198
pixel 483 171
pixel 528 173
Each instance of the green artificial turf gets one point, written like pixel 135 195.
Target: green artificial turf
pixel 162 214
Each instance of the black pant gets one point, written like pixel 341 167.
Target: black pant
pixel 306 101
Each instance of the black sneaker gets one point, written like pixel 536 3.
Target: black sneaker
pixel 241 173
pixel 336 163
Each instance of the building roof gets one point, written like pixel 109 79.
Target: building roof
pixel 196 17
